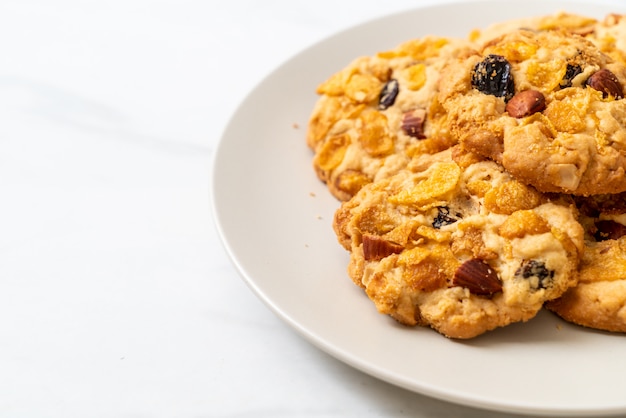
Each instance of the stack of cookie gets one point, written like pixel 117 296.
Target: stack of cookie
pixel 483 179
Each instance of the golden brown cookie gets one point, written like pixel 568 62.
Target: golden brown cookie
pixel 608 34
pixel 459 246
pixel 599 299
pixel 548 105
pixel 376 114
pixel 562 21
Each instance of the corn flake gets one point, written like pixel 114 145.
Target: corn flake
pixel 441 180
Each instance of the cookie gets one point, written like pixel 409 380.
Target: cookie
pixel 608 34
pixel 376 114
pixel 599 299
pixel 563 21
pixel 459 245
pixel 547 105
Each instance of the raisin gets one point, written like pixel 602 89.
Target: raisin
pixel 443 217
pixel 609 230
pixel 493 76
pixel 533 268
pixel 388 94
pixel 572 71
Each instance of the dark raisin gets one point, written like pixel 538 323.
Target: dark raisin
pixel 388 94
pixel 535 269
pixel 493 76
pixel 572 71
pixel 609 230
pixel 443 217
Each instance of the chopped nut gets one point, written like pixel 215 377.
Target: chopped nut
pixel 377 248
pixel 607 83
pixel 478 277
pixel 413 123
pixel 525 103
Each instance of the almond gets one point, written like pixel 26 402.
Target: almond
pixel 377 248
pixel 525 103
pixel 413 123
pixel 478 277
pixel 607 83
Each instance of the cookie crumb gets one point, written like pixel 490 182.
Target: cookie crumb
pixel 312 194
pixel 295 125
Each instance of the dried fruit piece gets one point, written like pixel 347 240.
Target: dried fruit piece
pixel 607 83
pixel 478 277
pixel 413 123
pixel 443 217
pixel 525 103
pixel 377 248
pixel 388 94
pixel 493 76
pixel 609 230
pixel 536 271
pixel 571 72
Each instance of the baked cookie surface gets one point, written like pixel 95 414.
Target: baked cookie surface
pixel 548 105
pixel 599 299
pixel 376 114
pixel 460 246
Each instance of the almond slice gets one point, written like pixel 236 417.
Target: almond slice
pixel 377 248
pixel 477 276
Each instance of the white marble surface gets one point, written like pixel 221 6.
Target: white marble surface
pixel 117 298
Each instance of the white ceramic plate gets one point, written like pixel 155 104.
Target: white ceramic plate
pixel 274 217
